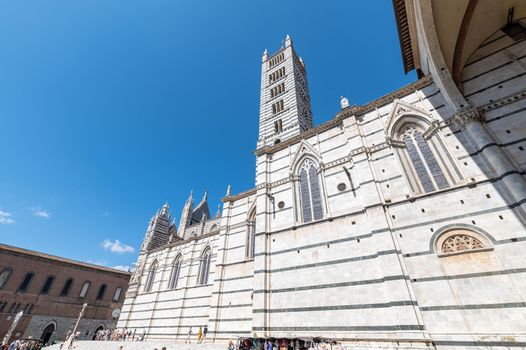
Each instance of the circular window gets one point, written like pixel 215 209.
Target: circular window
pixel 341 187
pixel 281 204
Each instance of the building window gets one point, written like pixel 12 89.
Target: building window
pixel 14 308
pixel 204 267
pixel 251 235
pixel 67 287
pixel 276 60
pixel 84 289
pixel 278 107
pixel 424 162
pixel 278 126
pixel 26 282
pixel 310 194
pixel 28 309
pixel 150 278
pixel 277 75
pixel 4 276
pixel 277 90
pixel 102 290
pixel 47 285
pixel 117 294
pixel 2 306
pixel 174 274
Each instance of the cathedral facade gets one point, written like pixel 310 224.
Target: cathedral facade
pixel 401 221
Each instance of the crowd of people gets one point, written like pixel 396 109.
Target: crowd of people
pixel 119 335
pixel 23 344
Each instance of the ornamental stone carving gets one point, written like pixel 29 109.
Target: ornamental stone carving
pixel 467 116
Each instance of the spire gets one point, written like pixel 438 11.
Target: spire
pixel 218 212
pixel 265 55
pixel 164 209
pixel 205 197
pixel 288 41
pixel 201 208
pixel 228 191
pixel 190 196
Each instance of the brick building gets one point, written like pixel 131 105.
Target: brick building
pixel 51 290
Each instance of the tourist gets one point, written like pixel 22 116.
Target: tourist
pixel 205 331
pixel 199 335
pixel 189 335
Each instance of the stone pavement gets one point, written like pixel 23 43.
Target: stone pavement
pixel 220 345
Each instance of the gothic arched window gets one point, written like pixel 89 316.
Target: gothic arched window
pixel 4 276
pixel 251 235
pixel 67 287
pixel 150 278
pixel 424 162
pixel 26 282
pixel 204 266
pixel 47 285
pixel 84 289
pixel 174 274
pixel 310 193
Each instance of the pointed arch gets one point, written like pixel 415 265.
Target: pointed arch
pixel 305 150
pixel 251 232
pixel 176 271
pixel 150 277
pixel 426 162
pixel 204 265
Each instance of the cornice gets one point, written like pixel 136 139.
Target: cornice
pixel 238 196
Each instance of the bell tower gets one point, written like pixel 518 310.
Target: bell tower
pixel 284 102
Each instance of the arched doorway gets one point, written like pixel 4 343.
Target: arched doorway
pixel 47 333
pixel 97 330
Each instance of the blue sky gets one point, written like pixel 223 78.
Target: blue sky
pixel 110 108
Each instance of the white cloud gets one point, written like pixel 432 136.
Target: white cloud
pixel 116 247
pixel 122 267
pixel 41 213
pixel 5 218
pixel 96 262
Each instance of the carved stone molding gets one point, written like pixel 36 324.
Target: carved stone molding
pixel 467 116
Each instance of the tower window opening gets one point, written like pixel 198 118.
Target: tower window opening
pixel 278 107
pixel 275 76
pixel 278 126
pixel 276 60
pixel 277 90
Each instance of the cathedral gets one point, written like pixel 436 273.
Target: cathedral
pixel 400 222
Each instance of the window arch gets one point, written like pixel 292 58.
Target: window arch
pixel 26 282
pixel 67 287
pixel 47 285
pixel 415 137
pixel 251 234
pixel 117 294
pixel 102 291
pixel 4 276
pixel 310 200
pixel 150 278
pixel 174 274
pixel 423 160
pixel 204 266
pixel 213 228
pixel 460 240
pixel 84 289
